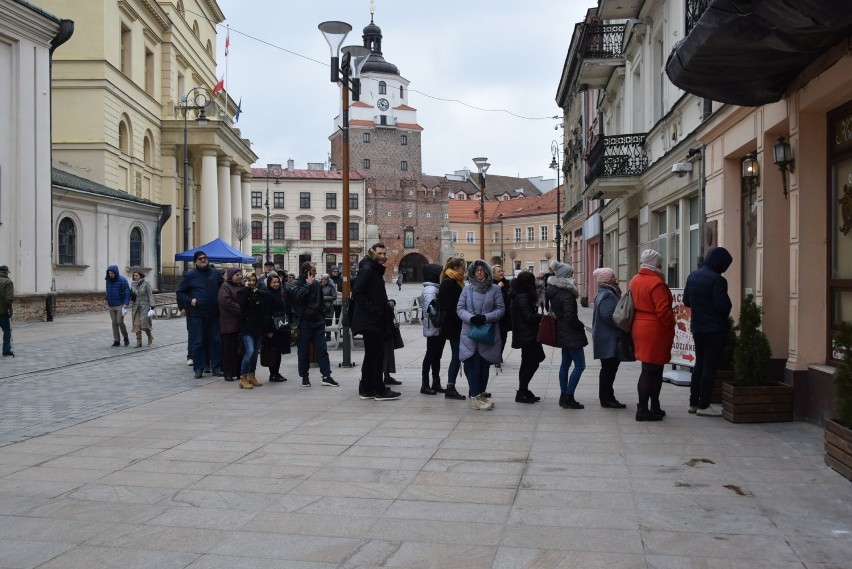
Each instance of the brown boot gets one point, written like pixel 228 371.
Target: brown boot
pixel 253 380
pixel 150 336
pixel 245 382
pixel 138 339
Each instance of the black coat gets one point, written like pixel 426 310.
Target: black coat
pixel 570 332
pixel 448 301
pixel 525 318
pixel 308 302
pixel 276 305
pixel 706 293
pixel 371 312
pixel 506 320
pixel 203 286
pixel 252 311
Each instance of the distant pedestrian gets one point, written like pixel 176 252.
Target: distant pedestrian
pixel 142 311
pixel 118 300
pixel 229 322
pixel 562 294
pixel 449 291
pixel 434 341
pixel 7 295
pixel 198 292
pixel 540 285
pixel 399 281
pixel 525 324
pixel 653 332
pixel 606 335
pixel 706 293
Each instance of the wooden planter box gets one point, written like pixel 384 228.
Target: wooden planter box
pixel 721 377
pixel 760 404
pixel 838 448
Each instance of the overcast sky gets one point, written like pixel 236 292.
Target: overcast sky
pixel 492 54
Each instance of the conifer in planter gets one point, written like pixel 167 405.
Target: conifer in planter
pixel 754 397
pixel 838 432
pixel 725 371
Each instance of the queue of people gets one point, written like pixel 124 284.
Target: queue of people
pixel 234 320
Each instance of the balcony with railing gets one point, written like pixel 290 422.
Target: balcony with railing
pixel 694 9
pixel 614 165
pixel 601 53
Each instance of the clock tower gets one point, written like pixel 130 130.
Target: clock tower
pixel 385 146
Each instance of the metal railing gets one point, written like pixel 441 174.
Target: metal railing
pixel 619 155
pixel 603 41
pixel 694 9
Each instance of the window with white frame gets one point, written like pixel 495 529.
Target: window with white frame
pixel 530 234
pixel 543 233
pixel 454 236
pixel 136 247
pixel 471 237
pixel 67 242
pixel 517 235
pixel 496 237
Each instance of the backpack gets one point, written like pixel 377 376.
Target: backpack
pixel 622 316
pixel 436 315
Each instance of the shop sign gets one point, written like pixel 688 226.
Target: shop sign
pixel 683 349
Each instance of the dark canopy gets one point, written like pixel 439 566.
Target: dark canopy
pixel 746 52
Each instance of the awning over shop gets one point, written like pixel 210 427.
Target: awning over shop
pixel 746 52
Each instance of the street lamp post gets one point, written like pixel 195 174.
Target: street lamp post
pixel 554 163
pixel 200 100
pixel 275 170
pixel 481 165
pixel 502 253
pixel 348 76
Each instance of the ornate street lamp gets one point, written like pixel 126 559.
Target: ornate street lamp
pixel 481 165
pixel 554 163
pixel 348 76
pixel 200 99
pixel 275 170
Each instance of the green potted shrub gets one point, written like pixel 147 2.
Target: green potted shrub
pixel 838 431
pixel 754 396
pixel 725 371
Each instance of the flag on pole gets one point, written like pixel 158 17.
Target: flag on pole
pixel 227 41
pixel 239 110
pixel 219 86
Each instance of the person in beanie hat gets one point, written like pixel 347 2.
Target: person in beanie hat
pixel 229 322
pixel 198 294
pixel 562 294
pixel 7 295
pixel 606 335
pixel 653 332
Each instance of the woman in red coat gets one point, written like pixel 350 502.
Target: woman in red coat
pixel 653 332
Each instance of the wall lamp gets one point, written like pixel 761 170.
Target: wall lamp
pixel 751 171
pixel 782 156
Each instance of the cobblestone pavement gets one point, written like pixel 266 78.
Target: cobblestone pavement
pixel 117 457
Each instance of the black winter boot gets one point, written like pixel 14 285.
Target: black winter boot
pixel 571 403
pixel 643 414
pixel 563 400
pixel 436 385
pixel 425 389
pixel 451 393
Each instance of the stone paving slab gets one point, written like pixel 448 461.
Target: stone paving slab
pixel 117 457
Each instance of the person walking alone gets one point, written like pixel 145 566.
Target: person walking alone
pixel 117 299
pixel 141 313
pixel 562 296
pixel 7 295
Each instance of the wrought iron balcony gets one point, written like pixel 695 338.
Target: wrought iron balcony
pixel 603 41
pixel 694 9
pixel 619 155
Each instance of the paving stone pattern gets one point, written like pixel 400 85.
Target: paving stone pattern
pixel 117 457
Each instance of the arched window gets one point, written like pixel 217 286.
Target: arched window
pixel 180 8
pixel 383 88
pixel 67 242
pixel 195 29
pixel 256 230
pixel 136 247
pixel 148 150
pixel 123 137
pixel 209 47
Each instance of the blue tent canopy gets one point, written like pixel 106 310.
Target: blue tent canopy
pixel 217 251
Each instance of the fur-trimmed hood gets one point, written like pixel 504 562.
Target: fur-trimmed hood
pixel 566 283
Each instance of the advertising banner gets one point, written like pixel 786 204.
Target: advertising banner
pixel 683 349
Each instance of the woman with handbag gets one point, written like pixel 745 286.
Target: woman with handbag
pixel 480 308
pixel 562 296
pixel 611 345
pixel 277 338
pixel 142 299
pixel 653 332
pixel 525 323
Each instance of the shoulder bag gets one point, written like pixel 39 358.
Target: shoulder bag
pixel 622 316
pixel 547 330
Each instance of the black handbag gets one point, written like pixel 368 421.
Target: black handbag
pixel 397 338
pixel 624 351
pixel 279 322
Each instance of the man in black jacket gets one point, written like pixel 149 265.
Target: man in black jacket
pixel 198 293
pixel 373 318
pixel 309 307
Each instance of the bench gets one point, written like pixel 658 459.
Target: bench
pixel 165 305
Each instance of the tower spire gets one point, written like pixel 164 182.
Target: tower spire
pixel 372 9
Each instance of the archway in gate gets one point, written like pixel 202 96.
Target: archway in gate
pixel 412 267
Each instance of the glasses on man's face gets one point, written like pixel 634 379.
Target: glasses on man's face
pixel 201 258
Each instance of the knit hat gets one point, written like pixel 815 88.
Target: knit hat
pixel 652 259
pixel 229 274
pixel 4 269
pixel 604 275
pixel 562 270
pixel 198 254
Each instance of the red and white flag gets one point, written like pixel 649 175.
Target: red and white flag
pixel 220 85
pixel 227 42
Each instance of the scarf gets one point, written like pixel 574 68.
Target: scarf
pixel 456 276
pixel 613 287
pixel 654 268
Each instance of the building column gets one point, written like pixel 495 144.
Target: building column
pixel 246 209
pixel 170 233
pixel 207 212
pixel 236 203
pixel 224 202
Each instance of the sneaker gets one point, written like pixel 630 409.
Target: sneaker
pixel 198 375
pixel 709 412
pixel 392 381
pixel 614 404
pixel 189 362
pixel 691 409
pixel 388 395
pixel 277 378
pixel 366 396
pixel 116 344
pixel 480 403
pixel 306 382
pixel 328 380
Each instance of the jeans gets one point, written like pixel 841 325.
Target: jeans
pixel 117 319
pixel 372 379
pixel 568 385
pixel 432 359
pixel 313 333
pixel 251 344
pixel 708 353
pixel 455 364
pixel 476 369
pixel 205 342
pixel 6 326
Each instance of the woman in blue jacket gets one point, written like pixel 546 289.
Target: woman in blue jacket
pixel 606 335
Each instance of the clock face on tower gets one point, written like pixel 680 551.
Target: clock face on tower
pixel 383 104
